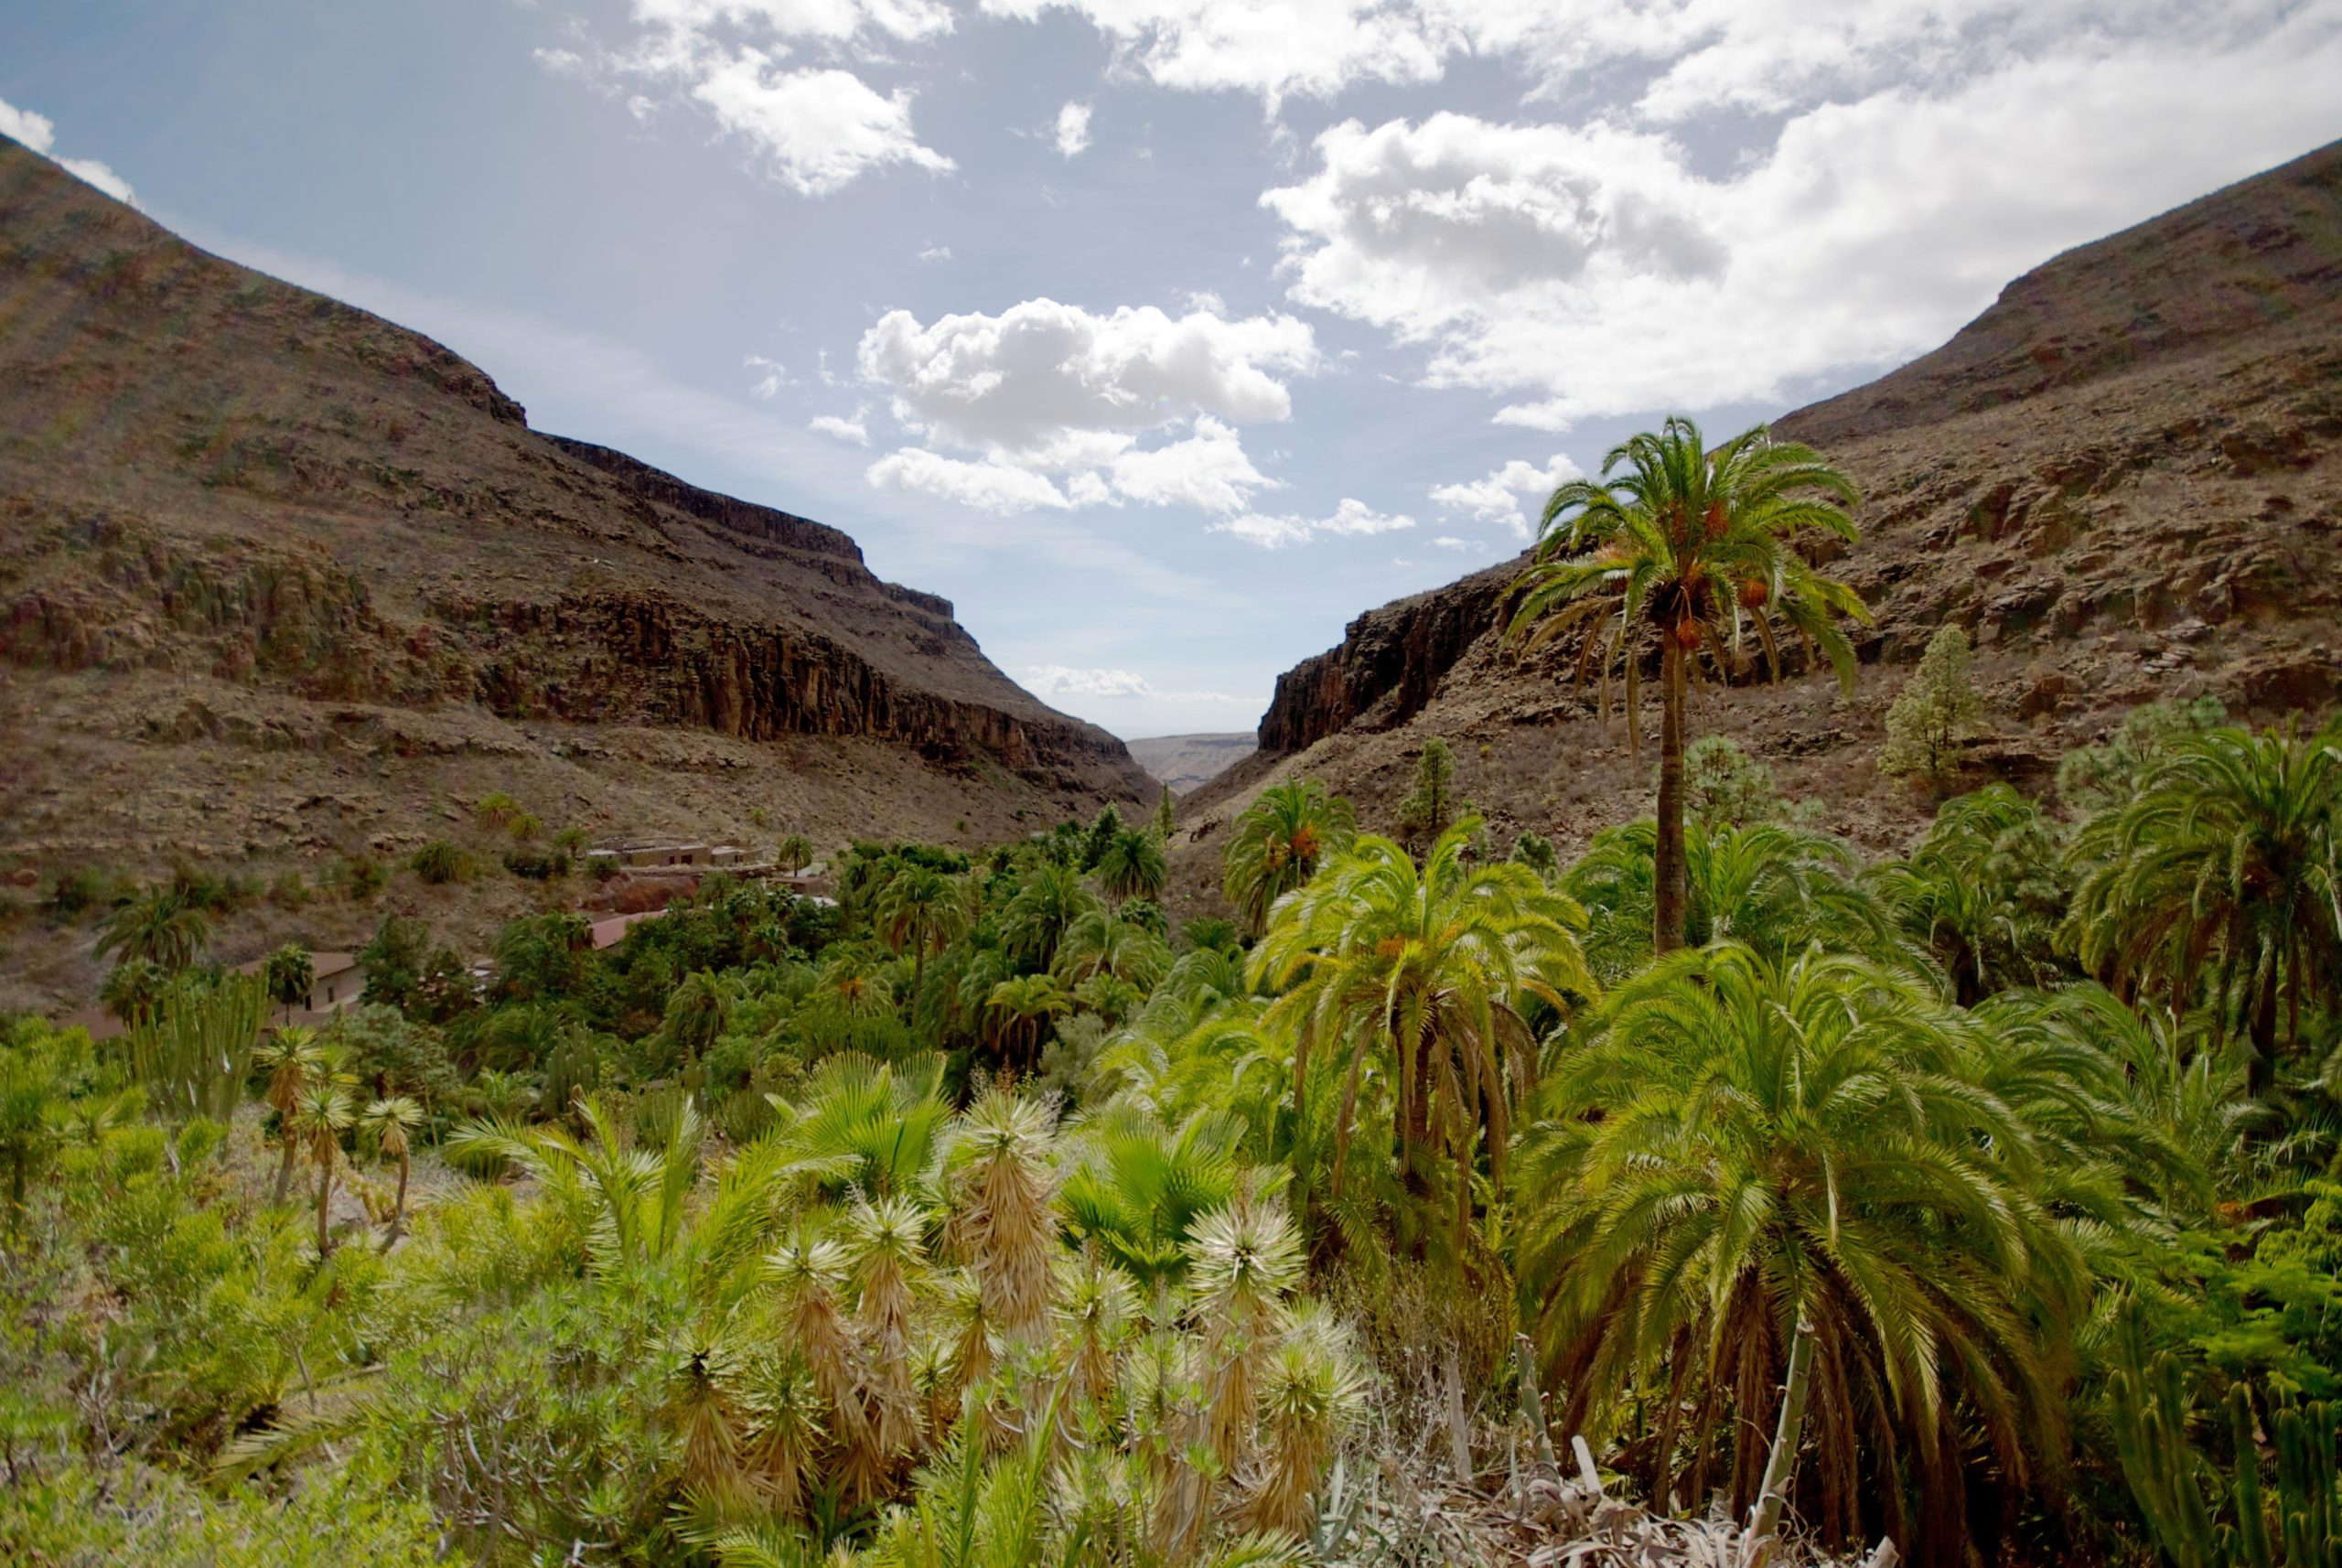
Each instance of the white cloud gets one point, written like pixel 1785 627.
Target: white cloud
pixel 815 128
pixel 819 130
pixel 38 133
pixel 1061 681
pixel 1055 390
pixel 771 382
pixel 983 486
pixel 936 253
pixel 1508 495
pixel 1597 269
pixel 1277 532
pixel 1073 130
pixel 1208 471
pixel 838 426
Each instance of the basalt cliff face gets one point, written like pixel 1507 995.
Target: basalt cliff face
pixel 2124 479
pixel 280 578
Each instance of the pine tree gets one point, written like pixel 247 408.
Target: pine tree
pixel 1936 709
pixel 1430 807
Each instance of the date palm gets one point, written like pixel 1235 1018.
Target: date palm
pixel 2226 862
pixel 920 911
pixel 392 1120
pixel 1812 1171
pixel 1049 899
pixel 1132 865
pixel 1697 552
pixel 1774 887
pixel 1424 973
pixel 1278 843
pixel 160 926
pixel 1017 1013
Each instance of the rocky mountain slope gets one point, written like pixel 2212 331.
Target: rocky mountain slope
pixel 282 580
pixel 2124 479
pixel 1181 762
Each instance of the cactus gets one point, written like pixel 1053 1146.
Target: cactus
pixel 2203 1519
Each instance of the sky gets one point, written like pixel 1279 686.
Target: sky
pixel 1162 337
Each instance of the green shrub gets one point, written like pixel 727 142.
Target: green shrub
pixel 439 862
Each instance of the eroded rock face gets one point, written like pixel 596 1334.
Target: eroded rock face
pixel 1387 666
pixel 209 476
pixel 2124 480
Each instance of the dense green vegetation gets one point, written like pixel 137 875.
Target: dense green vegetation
pixel 1988 1199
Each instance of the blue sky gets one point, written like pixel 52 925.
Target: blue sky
pixel 1163 336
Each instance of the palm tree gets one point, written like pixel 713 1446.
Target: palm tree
pixel 1808 1180
pixel 1049 899
pixel 323 1113
pixel 795 853
pixel 1693 549
pixel 1002 1222
pixel 292 1058
pixel 1424 972
pixel 920 910
pixel 1017 1013
pixel 1777 888
pixel 1278 843
pixel 134 991
pixel 1133 866
pixel 1985 890
pixel 1101 942
pixel 391 1120
pixel 2228 854
pixel 159 927
pixel 289 975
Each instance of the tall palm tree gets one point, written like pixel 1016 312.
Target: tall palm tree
pixel 919 911
pixel 1131 866
pixel 289 975
pixel 1017 1013
pixel 391 1120
pixel 1101 942
pixel 1804 1178
pixel 1695 550
pixel 324 1113
pixel 293 1059
pixel 161 926
pixel 2227 860
pixel 1278 843
pixel 1423 972
pixel 1775 887
pixel 1049 899
pixel 134 991
pixel 796 853
pixel 1985 890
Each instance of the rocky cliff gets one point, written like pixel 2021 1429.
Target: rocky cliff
pixel 2124 479
pixel 279 577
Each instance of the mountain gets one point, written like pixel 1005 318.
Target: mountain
pixel 281 580
pixel 2124 479
pixel 1181 762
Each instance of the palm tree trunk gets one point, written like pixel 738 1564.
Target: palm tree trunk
pixel 325 1196
pixel 283 1165
pixel 398 1214
pixel 2264 1033
pixel 1668 896
pixel 1770 1498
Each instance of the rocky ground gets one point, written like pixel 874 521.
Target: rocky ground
pixel 2124 479
pixel 1183 762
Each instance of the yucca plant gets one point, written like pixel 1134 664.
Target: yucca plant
pixel 392 1120
pixel 885 1239
pixel 323 1112
pixel 291 1057
pixel 1003 1223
